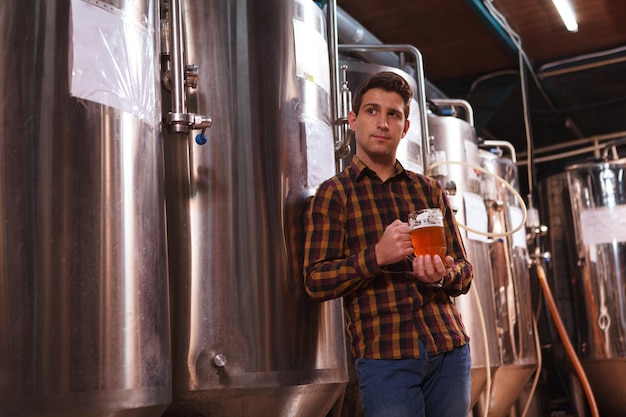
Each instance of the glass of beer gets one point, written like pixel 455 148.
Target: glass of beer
pixel 427 232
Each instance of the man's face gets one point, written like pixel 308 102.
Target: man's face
pixel 379 126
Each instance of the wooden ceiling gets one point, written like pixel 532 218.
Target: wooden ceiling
pixel 468 55
pixel 456 42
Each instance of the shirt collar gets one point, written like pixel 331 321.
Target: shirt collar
pixel 359 168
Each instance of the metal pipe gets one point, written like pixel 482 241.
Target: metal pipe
pixel 562 155
pixel 179 107
pixel 340 94
pixel 582 63
pixel 502 144
pixel 342 145
pixel 611 146
pixel 469 112
pixel 333 59
pixel 178 120
pixel 596 147
pixel 578 142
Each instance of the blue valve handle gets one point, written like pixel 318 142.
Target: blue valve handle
pixel 201 138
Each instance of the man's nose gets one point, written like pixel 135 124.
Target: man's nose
pixel 382 122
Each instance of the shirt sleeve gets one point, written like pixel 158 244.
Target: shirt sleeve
pixel 329 271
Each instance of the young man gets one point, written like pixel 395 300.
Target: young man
pixel 410 347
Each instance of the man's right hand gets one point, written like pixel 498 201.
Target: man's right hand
pixel 395 243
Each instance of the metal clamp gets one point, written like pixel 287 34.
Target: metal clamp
pixel 182 122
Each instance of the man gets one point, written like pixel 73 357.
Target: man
pixel 410 347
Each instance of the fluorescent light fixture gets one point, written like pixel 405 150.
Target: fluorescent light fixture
pixel 567 14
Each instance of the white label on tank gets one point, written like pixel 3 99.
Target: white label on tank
pixel 515 218
pixel 312 62
pixel 410 152
pixel 112 60
pixel 320 151
pixel 475 216
pixel 603 225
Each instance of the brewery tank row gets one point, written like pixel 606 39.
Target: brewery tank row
pixel 156 161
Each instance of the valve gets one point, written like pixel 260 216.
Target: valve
pixel 451 187
pixel 191 75
pixel 201 138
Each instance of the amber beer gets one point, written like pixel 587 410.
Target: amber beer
pixel 427 232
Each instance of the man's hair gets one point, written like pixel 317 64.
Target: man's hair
pixel 387 81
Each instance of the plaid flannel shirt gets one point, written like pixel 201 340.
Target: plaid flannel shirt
pixel 387 309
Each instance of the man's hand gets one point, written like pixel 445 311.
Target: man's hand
pixel 431 269
pixel 395 243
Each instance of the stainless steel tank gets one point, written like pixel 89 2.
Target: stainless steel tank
pixel 455 151
pixel 562 269
pixel 246 339
pixel 564 277
pixel 598 201
pixel 511 280
pixel 84 327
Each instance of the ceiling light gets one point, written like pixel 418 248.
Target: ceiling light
pixel 567 14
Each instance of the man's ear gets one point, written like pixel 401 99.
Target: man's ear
pixel 407 124
pixel 352 120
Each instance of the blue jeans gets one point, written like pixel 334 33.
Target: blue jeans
pixel 431 386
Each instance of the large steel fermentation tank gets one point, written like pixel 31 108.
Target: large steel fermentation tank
pixel 454 148
pixel 510 274
pixel 84 325
pixel 564 276
pixel 246 339
pixel 583 208
pixel 598 202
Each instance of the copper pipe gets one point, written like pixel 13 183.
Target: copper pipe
pixel 566 342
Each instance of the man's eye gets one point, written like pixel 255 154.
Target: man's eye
pixel 371 111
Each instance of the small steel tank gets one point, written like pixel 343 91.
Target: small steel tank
pixel 598 201
pixel 510 274
pixel 454 148
pixel 246 339
pixel 564 276
pixel 84 327
pixel 410 151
